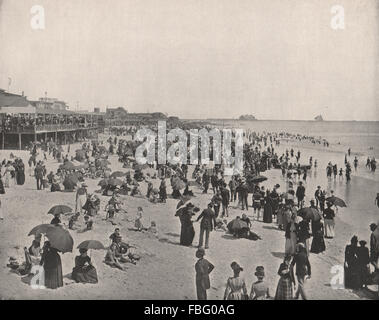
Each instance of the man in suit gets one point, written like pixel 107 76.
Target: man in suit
pixel 38 173
pixel 300 194
pixel 208 220
pixel 203 268
pixel 225 200
pixel 303 270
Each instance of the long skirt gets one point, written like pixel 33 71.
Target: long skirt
pixel 54 277
pixel 329 228
pixel 186 235
pixel 318 244
pixel 2 190
pixel 290 246
pixel 267 214
pixel 352 278
pixel 82 199
pixel 20 178
pixel 284 289
pixel 88 275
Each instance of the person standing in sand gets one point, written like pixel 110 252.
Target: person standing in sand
pixel 81 198
pixel 208 220
pixel 203 268
pixel 303 270
pixel 329 223
pixel 235 286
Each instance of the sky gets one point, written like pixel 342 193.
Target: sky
pixel 277 59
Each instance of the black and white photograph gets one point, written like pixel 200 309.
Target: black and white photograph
pixel 189 150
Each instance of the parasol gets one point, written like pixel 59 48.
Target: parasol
pixel 336 201
pixel 59 238
pixel 91 244
pixel 117 174
pixel 257 179
pixel 59 209
pixel 236 224
pixel 309 214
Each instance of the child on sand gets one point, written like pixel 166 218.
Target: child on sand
pixel 138 221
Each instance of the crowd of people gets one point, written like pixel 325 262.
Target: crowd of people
pixel 304 227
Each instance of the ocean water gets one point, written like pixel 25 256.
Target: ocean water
pixel 361 136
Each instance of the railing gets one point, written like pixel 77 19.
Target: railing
pixel 47 127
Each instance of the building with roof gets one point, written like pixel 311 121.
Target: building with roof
pixel 23 121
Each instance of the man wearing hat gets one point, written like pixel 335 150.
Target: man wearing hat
pixel 203 268
pixel 300 194
pixel 81 198
pixel 38 173
pixel 208 221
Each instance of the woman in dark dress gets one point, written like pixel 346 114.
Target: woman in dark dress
pixel 20 172
pixel 84 271
pixel 318 243
pixel 187 232
pixel 51 262
pixel 163 191
pixel 352 270
pixel 267 209
pixel 2 189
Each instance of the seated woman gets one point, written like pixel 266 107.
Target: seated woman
pixel 84 271
pixel 110 258
pixel 35 251
pixel 55 184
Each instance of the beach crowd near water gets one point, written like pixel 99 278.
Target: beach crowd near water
pixel 102 204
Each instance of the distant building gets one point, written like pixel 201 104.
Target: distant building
pixel 50 104
pixel 116 113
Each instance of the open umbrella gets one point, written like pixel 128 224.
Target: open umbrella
pixel 183 201
pixel 236 225
pixel 59 209
pixel 67 166
pixel 73 178
pixel 140 166
pixel 91 244
pixel 115 182
pixel 59 238
pixel 257 179
pixel 103 183
pixel 309 214
pixel 178 184
pixel 117 174
pixel 336 201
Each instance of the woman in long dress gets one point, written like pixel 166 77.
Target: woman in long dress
pixel 329 223
pixel 51 262
pixel 284 290
pixel 8 174
pixel 2 190
pixel 20 172
pixel 351 266
pixel 291 235
pixel 267 209
pixel 187 232
pixel 84 271
pixel 235 286
pixel 318 243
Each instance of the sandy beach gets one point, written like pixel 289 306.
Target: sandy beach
pixel 166 269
